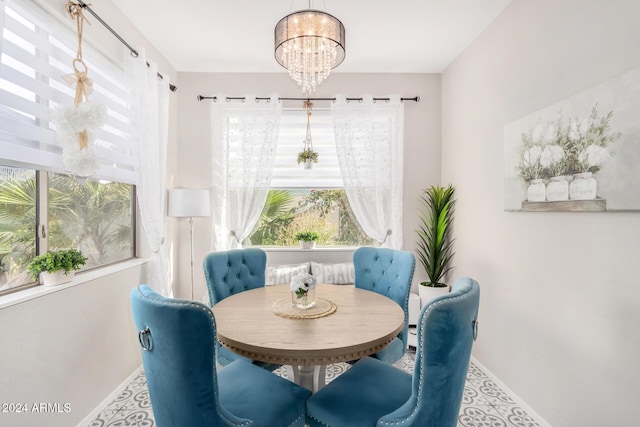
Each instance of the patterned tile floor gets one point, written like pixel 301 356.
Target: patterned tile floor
pixel 484 404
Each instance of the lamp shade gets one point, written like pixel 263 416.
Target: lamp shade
pixel 184 202
pixel 309 43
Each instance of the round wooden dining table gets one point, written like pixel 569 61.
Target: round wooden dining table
pixel 363 323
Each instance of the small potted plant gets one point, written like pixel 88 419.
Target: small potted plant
pixel 308 156
pixel 307 239
pixel 56 267
pixel 435 245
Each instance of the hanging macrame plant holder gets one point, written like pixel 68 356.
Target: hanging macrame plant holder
pixel 75 124
pixel 307 156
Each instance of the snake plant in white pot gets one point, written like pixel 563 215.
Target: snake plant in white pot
pixel 435 245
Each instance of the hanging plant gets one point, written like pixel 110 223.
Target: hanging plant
pixel 307 153
pixel 75 124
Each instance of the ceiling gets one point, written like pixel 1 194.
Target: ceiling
pixel 401 36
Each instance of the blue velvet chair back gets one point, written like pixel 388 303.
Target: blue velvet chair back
pixel 446 330
pixel 373 393
pixel 231 272
pixel 178 360
pixel 388 272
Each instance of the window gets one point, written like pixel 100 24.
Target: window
pixel 307 199
pixel 40 206
pixel 96 217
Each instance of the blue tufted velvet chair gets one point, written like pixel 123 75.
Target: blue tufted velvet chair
pixel 231 272
pixel 373 393
pixel 234 271
pixel 178 352
pixel 388 272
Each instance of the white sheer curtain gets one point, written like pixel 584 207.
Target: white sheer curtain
pixel 150 121
pixel 369 142
pixel 244 137
pixel 1 23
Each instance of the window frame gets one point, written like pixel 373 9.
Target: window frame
pixel 42 227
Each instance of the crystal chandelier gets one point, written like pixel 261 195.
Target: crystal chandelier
pixel 309 43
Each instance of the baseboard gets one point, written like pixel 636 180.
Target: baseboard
pixel 541 421
pixel 110 398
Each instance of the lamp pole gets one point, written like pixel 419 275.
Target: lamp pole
pixel 191 253
pixel 189 203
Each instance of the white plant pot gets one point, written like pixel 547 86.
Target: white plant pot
pixel 308 164
pixel 56 278
pixel 307 245
pixel 427 293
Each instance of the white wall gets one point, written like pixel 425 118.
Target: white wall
pixel 77 345
pixel 422 139
pixel 559 307
pixel 74 346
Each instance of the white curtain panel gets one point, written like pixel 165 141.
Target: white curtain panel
pixel 369 143
pixel 150 121
pixel 244 138
pixel 1 23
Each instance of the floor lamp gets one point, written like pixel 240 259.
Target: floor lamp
pixel 189 203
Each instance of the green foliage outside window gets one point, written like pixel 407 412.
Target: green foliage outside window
pixel 327 212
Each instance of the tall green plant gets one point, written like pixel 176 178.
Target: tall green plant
pixel 435 245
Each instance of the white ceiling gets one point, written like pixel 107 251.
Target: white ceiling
pixel 403 36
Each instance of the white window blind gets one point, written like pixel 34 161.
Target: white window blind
pixel 36 51
pixel 287 173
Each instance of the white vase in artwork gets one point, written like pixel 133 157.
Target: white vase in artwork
pixel 557 189
pixel 308 164
pixel 56 278
pixel 536 192
pixel 583 187
pixel 427 293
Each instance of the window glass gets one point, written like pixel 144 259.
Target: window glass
pixel 325 211
pixel 17 225
pixel 92 216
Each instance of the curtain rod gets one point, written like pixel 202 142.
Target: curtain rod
pixel 242 98
pixel 134 52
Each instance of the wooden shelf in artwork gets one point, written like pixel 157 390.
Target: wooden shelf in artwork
pixel 594 205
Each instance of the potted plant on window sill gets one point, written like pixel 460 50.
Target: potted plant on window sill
pixel 56 267
pixel 308 157
pixel 435 245
pixel 307 239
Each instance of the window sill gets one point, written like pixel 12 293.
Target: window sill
pixel 79 278
pixel 316 249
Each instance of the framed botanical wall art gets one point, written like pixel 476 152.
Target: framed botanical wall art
pixel 581 154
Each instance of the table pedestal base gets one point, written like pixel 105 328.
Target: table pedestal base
pixel 309 377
